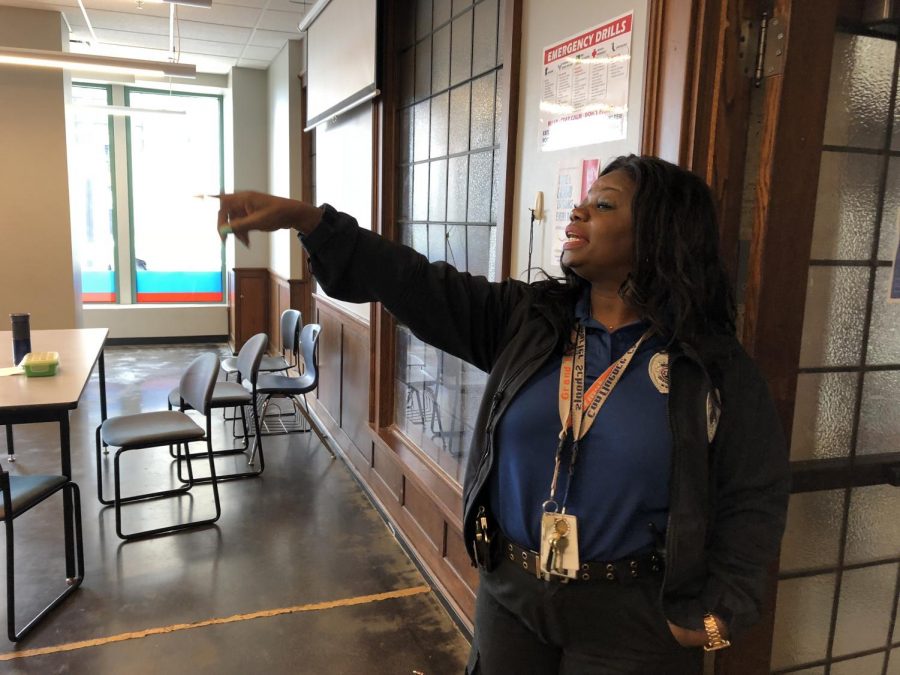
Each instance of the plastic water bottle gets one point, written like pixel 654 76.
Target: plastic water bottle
pixel 21 336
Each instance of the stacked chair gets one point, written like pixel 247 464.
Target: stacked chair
pixel 271 386
pixel 20 494
pixel 155 429
pixel 240 394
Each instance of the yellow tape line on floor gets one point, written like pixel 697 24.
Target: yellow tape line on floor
pixel 313 607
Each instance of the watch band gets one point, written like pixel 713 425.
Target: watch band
pixel 714 639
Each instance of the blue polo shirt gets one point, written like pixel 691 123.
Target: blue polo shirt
pixel 621 481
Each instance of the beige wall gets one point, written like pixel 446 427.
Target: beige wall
pixel 284 132
pixel 37 273
pixel 246 157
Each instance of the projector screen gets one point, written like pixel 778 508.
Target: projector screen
pixel 341 44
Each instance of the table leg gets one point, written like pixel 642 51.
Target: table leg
pixel 102 374
pixel 68 512
pixel 10 448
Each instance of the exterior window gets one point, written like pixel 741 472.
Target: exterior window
pixel 92 196
pixel 166 243
pixel 174 159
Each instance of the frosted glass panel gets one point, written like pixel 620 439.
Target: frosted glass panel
pixel 864 611
pixel 423 68
pixel 423 18
pixel 833 320
pixel 884 332
pixel 407 76
pixel 480 169
pixel 440 74
pixel 802 619
pixel 461 49
pixel 457 189
pixel 437 199
pixel 873 528
pixel 879 423
pixel 482 112
pixel 459 119
pixel 813 530
pixel 440 124
pixel 484 49
pixel 846 204
pixel 887 242
pixel 422 131
pixel 823 415
pixel 442 10
pixel 420 191
pixel 894 663
pixel 866 665
pixel 859 93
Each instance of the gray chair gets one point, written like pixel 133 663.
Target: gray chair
pixel 156 429
pixel 240 395
pixel 20 494
pixel 291 322
pixel 271 386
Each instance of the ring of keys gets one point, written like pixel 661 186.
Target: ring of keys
pixel 558 543
pixel 559 546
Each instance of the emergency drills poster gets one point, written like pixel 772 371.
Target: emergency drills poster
pixel 584 99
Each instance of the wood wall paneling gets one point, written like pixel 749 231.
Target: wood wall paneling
pixel 423 512
pixel 355 389
pixel 388 471
pixel 330 341
pixel 420 500
pixel 249 304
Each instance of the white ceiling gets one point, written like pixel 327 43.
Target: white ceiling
pixel 245 33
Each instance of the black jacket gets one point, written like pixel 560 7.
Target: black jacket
pixel 728 497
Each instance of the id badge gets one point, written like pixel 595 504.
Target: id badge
pixel 559 546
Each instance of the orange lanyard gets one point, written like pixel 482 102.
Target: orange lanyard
pixel 579 408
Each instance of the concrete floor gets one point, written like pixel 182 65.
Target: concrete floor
pixel 300 564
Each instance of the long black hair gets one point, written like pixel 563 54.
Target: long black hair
pixel 677 281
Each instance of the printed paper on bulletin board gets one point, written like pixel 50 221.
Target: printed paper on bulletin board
pixel 573 181
pixel 584 99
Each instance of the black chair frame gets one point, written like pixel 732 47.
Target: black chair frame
pixel 70 492
pixel 187 484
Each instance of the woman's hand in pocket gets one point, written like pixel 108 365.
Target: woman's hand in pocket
pixel 694 638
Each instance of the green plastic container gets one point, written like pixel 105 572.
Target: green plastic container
pixel 40 364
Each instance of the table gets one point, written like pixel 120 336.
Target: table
pixel 25 400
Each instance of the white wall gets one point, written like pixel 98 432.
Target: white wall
pixel 139 321
pixel 247 165
pixel 284 133
pixel 37 271
pixel 543 24
pixel 344 172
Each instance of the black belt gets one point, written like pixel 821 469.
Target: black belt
pixel 623 571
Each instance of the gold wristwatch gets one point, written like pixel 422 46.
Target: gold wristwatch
pixel 714 639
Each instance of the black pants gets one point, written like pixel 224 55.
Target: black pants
pixel 525 625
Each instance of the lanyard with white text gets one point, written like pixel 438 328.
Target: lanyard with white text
pixel 579 408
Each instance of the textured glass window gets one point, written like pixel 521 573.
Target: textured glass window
pixel 448 177
pixel 840 575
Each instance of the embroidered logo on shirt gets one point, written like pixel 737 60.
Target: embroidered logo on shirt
pixel 659 372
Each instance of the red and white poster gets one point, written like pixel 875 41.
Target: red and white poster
pixel 585 86
pixel 573 181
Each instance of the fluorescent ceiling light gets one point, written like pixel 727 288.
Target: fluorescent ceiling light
pixel 192 3
pixel 89 62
